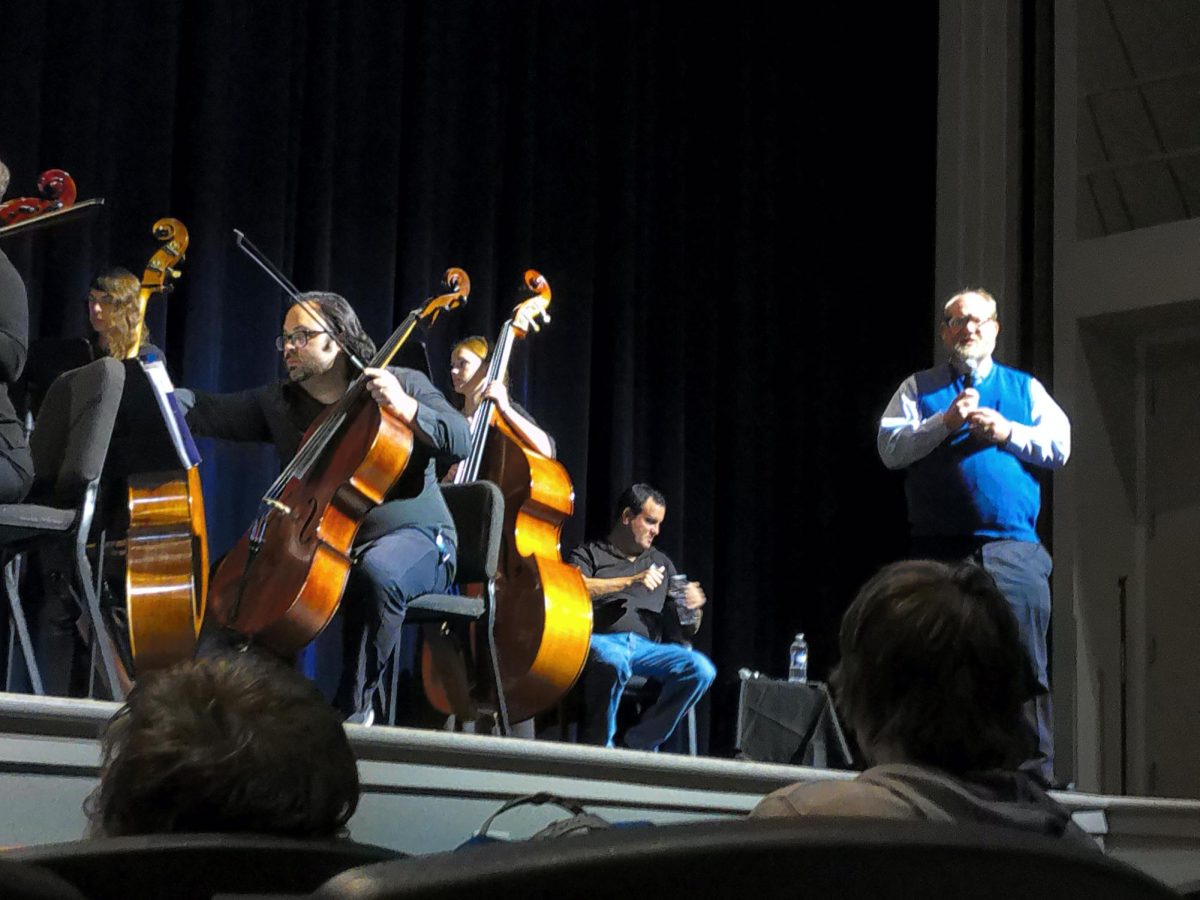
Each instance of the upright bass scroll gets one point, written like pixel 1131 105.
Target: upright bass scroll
pixel 166 546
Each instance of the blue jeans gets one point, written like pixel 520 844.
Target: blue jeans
pixel 387 573
pixel 684 673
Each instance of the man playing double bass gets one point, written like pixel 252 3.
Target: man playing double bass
pixel 406 546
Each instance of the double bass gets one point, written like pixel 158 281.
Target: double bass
pixel 543 611
pixel 166 544
pixel 283 581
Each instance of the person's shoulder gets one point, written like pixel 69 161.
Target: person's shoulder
pixel 1017 379
pixel 854 797
pixel 931 379
pixel 406 372
pixel 281 387
pixel 1012 372
pixel 587 549
pixel 411 378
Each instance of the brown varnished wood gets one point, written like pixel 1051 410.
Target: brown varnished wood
pixel 166 545
pixel 166 567
pixel 296 582
pixel 543 614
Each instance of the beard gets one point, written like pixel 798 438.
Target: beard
pixel 302 371
pixel 971 353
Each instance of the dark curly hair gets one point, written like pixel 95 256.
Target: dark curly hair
pixel 232 743
pixel 932 665
pixel 341 317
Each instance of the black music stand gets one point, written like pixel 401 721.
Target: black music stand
pixel 790 722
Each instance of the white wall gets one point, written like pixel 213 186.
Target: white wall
pixel 1112 297
pixel 1111 294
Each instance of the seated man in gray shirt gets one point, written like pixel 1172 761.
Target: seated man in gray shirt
pixel 635 622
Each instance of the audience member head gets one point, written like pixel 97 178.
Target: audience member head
pixel 232 743
pixel 933 671
pixel 4 177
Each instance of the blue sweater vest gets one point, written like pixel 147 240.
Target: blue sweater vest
pixel 968 487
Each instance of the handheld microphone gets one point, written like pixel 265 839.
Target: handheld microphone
pixel 969 375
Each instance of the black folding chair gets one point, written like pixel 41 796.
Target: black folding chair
pixel 199 866
pixel 23 881
pixel 643 692
pixel 478 512
pixel 766 859
pixel 69 445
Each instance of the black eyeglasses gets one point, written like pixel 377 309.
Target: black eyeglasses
pixel 959 322
pixel 298 338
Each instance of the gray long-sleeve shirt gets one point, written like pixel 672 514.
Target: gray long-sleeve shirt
pixel 279 413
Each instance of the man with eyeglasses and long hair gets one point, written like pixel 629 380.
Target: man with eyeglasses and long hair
pixel 972 436
pixel 407 545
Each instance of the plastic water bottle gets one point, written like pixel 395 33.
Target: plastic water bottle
pixel 798 660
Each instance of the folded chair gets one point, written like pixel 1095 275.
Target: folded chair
pixel 69 445
pixel 478 512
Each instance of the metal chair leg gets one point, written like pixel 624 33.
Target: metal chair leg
pixel 100 635
pixel 12 577
pixel 391 700
pixel 501 703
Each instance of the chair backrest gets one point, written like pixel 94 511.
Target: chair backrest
pixel 765 859
pixel 478 511
pixel 74 426
pixel 188 866
pixel 22 881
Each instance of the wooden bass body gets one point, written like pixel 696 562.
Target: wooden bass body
pixel 288 590
pixel 166 566
pixel 543 612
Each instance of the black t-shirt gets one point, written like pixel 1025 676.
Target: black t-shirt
pixel 280 413
pixel 634 609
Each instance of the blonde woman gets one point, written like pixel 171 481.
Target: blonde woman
pixel 468 375
pixel 114 312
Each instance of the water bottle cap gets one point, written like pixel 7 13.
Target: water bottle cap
pixel 800 635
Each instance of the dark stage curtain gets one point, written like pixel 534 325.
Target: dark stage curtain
pixel 733 206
